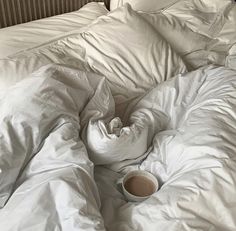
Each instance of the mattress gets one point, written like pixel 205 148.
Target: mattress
pixel 130 90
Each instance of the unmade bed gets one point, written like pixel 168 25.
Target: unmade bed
pixel 87 96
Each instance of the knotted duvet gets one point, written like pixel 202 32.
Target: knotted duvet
pixel 187 125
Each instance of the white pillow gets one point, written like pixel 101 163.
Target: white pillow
pixel 143 5
pixel 130 53
pixel 198 24
pixel 122 46
pixel 28 35
pixel 203 16
pixel 175 32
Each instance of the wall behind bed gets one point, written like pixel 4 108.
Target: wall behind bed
pixel 19 11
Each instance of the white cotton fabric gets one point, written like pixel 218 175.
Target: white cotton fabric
pixel 49 182
pixel 60 122
pixel 192 155
pixel 140 5
pixel 46 177
pixel 208 29
pixel 28 35
pixel 131 67
pixel 109 141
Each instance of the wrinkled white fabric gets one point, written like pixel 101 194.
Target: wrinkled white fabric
pixel 140 5
pixel 46 177
pixel 193 156
pixel 208 29
pixel 183 131
pixel 28 35
pixel 107 147
pixel 131 68
pixel 111 142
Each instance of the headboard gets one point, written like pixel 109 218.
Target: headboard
pixel 19 11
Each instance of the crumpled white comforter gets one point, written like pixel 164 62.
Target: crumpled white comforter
pixel 192 155
pixel 60 121
pixel 47 178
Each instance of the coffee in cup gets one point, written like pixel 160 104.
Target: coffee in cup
pixel 138 185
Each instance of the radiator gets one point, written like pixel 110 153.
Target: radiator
pixel 19 11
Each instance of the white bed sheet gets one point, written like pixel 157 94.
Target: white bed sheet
pixel 24 36
pixel 192 153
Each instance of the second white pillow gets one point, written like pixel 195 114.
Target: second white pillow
pixel 126 49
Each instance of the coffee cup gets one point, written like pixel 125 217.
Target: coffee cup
pixel 138 185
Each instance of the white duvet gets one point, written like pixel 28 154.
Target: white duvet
pixel 46 177
pixel 69 131
pixel 48 181
pixel 192 155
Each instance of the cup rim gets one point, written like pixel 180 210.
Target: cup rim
pixel 153 178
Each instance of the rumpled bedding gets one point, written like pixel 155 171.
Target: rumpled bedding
pixel 28 35
pixel 48 181
pixel 77 113
pixel 206 27
pixel 43 159
pixel 192 155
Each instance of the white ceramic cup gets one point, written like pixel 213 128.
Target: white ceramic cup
pixel 134 198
